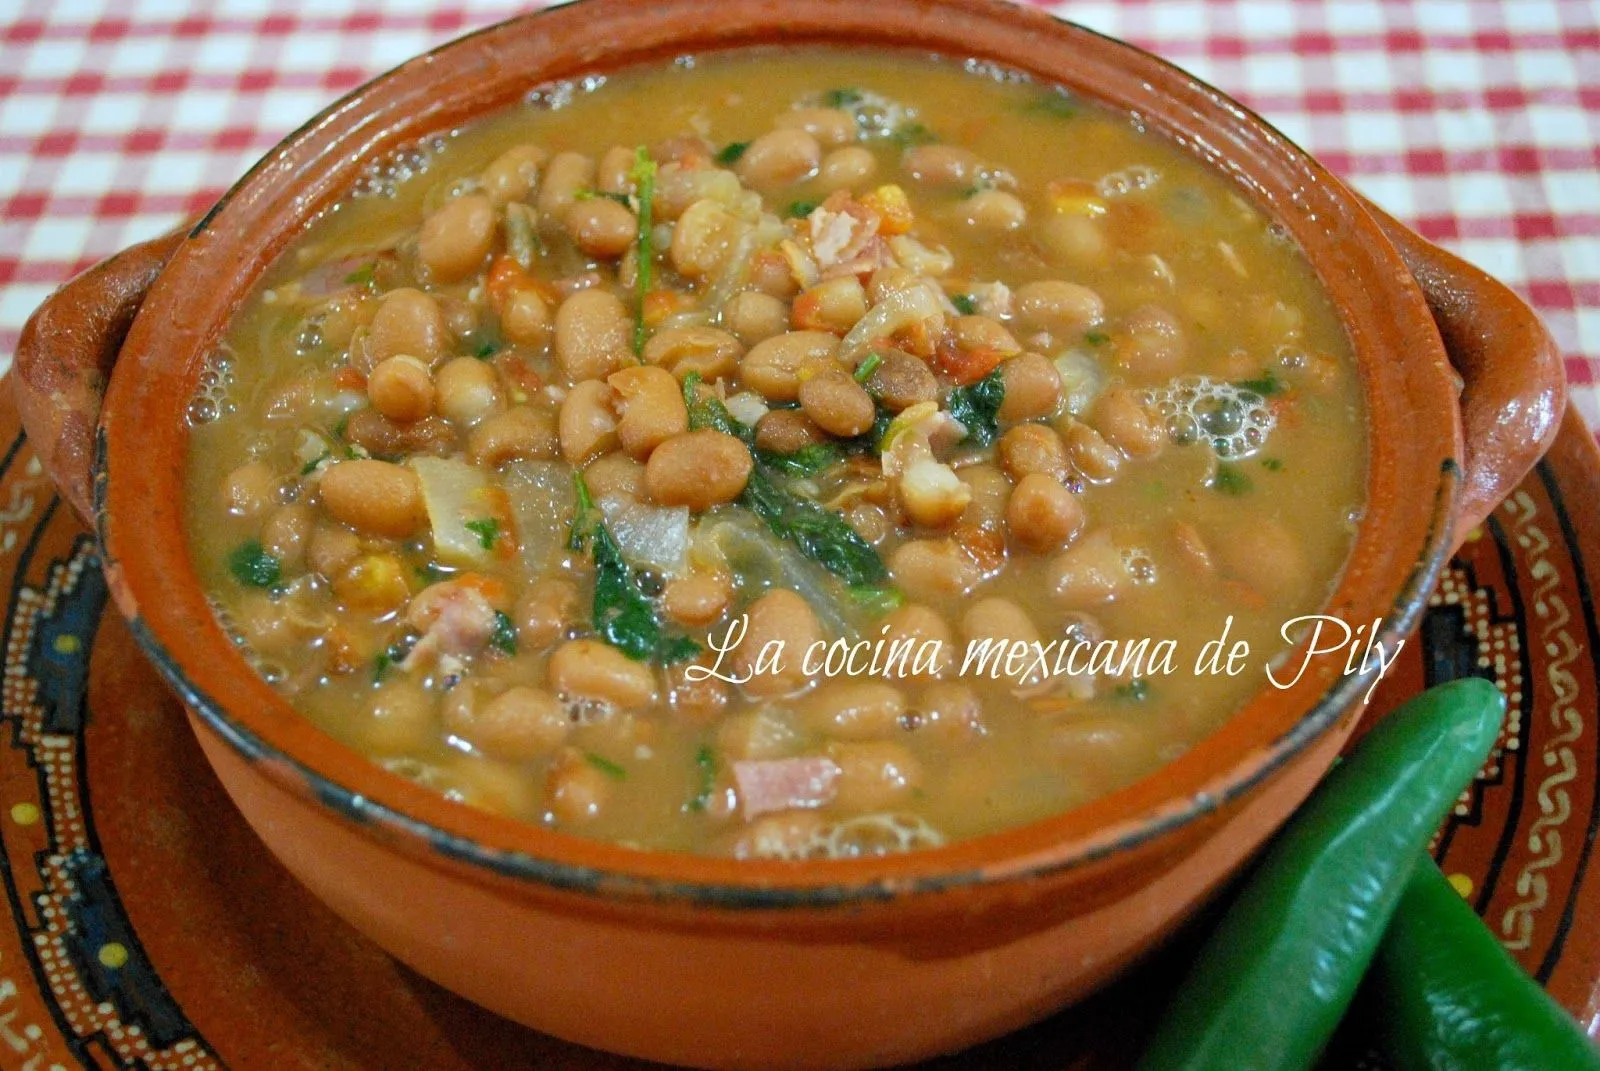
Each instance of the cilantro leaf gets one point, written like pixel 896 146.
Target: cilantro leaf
pixel 1230 480
pixel 806 461
pixel 977 407
pixel 613 770
pixel 253 567
pixel 623 615
pixel 504 637
pixel 1266 384
pixel 487 529
pixel 731 152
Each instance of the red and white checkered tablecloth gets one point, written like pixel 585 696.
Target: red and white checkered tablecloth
pixel 1477 121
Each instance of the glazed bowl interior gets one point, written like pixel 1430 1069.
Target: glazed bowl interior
pixel 1413 429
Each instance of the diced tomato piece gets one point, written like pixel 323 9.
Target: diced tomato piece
pixel 505 277
pixel 348 378
pixel 967 366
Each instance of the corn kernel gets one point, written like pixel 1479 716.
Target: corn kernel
pixel 374 582
pixel 1077 198
pixel 893 208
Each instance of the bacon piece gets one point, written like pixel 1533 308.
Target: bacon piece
pixel 456 618
pixel 768 785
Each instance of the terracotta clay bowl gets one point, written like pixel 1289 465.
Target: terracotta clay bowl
pixel 715 962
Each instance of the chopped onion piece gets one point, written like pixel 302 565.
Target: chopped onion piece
pixel 899 309
pixel 456 493
pixel 747 407
pixel 542 500
pixel 653 536
pixel 1081 380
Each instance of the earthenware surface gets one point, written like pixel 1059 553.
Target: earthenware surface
pixel 145 927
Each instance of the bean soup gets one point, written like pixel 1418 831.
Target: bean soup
pixel 861 358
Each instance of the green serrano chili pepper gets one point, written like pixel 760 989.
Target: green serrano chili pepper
pixel 1273 979
pixel 1452 999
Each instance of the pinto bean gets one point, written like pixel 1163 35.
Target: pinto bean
pixel 1042 514
pixel 706 351
pixel 1091 455
pixel 615 474
pixel 704 238
pixel 1124 422
pixel 519 724
pixel 698 598
pixel 698 469
pixel 933 569
pixel 1033 448
pixel 784 431
pixel 902 380
pixel 1157 346
pixel 286 533
pixel 848 167
pixel 602 227
pixel 332 550
pixel 587 426
pixel 1033 388
pixel 754 317
pixel 1265 555
pixel 518 434
pixel 410 322
pixel 612 175
pixel 652 408
pixel 779 158
pixel 1089 573
pixel 526 318
pixel 875 775
pixel 514 174
pixel 466 391
pixel 837 403
pixel 250 489
pixel 1062 308
pixel 456 238
pixel 566 174
pixel 594 334
pixel 373 496
pixel 590 669
pixel 401 388
pixel 575 790
pixel 833 306
pixel 380 436
pixel 917 626
pixel 830 126
pixel 782 617
pixel 1004 624
pixel 949 711
pixel 942 166
pixel 854 710
pixel 773 367
pixel 545 612
pixel 995 211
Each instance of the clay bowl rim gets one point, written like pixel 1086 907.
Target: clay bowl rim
pixel 157 590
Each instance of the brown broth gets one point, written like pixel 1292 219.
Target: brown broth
pixel 1275 522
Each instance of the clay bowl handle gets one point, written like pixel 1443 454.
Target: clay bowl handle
pixel 64 359
pixel 1514 388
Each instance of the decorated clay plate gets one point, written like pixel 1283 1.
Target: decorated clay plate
pixel 145 927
